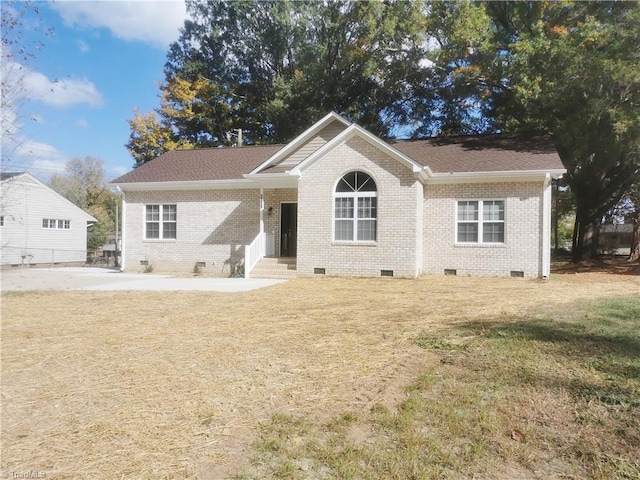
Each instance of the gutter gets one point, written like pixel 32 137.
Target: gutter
pixel 485 177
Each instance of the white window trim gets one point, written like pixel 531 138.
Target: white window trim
pixel 160 221
pixel 355 196
pixel 480 242
pixel 66 224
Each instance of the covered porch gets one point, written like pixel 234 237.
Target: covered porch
pixel 273 252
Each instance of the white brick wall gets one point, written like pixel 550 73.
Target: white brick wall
pixel 415 224
pixel 213 226
pixel 523 226
pixel 399 199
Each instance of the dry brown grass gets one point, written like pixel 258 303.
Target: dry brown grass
pixel 174 384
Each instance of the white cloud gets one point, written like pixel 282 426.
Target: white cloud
pixel 153 22
pixel 82 46
pixel 27 84
pixel 40 159
pixel 60 93
pixel 82 123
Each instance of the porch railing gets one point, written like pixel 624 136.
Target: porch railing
pixel 253 253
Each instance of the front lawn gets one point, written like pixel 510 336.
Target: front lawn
pixel 440 377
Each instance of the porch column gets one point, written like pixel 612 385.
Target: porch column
pixel 261 210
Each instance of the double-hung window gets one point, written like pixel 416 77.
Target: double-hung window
pixel 356 208
pixel 480 221
pixel 160 221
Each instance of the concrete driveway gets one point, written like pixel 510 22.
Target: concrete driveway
pixel 93 278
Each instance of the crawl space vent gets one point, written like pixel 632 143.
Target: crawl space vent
pixel 319 271
pixel 517 273
pixel 386 273
pixel 450 271
pixel 144 262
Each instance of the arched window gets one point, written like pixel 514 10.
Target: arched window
pixel 356 208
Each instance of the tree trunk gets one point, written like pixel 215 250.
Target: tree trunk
pixel 634 253
pixel 586 235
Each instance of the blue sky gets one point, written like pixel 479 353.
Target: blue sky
pixel 104 59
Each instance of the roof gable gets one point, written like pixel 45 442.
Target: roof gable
pixel 26 178
pixel 352 132
pixel 305 144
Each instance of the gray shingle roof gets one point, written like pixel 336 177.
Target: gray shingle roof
pixel 483 153
pixel 200 164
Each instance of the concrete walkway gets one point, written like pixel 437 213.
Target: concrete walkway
pixel 92 278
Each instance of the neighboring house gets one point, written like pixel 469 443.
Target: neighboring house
pixel 344 202
pixel 107 252
pixel 616 239
pixel 38 226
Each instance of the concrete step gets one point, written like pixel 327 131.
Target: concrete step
pixel 275 267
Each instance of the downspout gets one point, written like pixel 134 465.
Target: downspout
pixel 123 229
pixel 546 227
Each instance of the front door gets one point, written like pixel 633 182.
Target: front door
pixel 288 229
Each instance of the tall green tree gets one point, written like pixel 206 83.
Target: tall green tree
pixel 577 74
pixel 272 68
pixel 569 68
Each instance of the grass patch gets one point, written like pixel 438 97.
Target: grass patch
pixel 555 393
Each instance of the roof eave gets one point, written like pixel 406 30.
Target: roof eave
pixel 184 185
pixel 274 180
pixel 494 176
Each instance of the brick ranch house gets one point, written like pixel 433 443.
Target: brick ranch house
pixel 340 201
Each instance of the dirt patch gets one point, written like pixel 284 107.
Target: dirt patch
pixel 605 266
pixel 174 384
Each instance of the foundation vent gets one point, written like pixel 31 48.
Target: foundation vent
pixel 386 273
pixel 517 273
pixel 450 271
pixel 144 262
pixel 319 271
